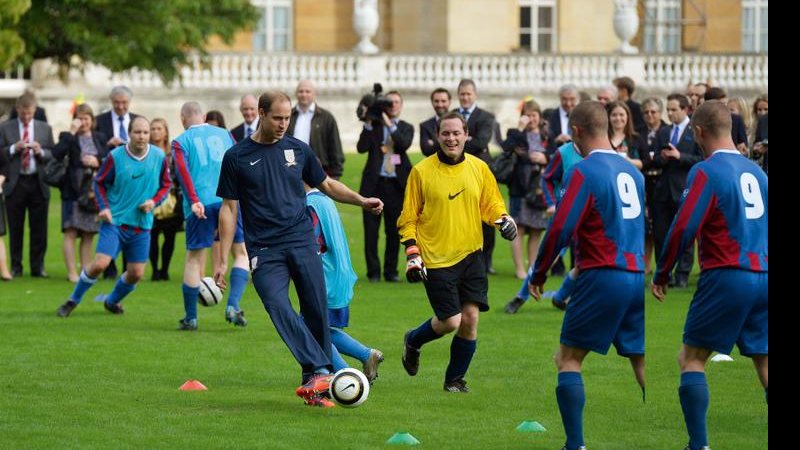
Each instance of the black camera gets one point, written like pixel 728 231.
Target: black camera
pixel 376 104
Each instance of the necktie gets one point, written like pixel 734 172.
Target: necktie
pixel 123 133
pixel 247 131
pixel 569 131
pixel 26 154
pixel 674 139
pixel 465 113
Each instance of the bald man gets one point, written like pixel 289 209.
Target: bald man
pixel 248 106
pixel 317 128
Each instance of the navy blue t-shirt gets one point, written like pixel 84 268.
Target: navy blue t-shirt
pixel 268 182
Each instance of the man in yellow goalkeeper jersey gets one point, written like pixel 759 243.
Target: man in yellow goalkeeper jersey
pixel 448 196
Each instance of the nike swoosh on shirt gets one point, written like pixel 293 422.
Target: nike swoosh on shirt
pixel 137 175
pixel 452 196
pixel 253 163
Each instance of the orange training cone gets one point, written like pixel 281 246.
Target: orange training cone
pixel 193 385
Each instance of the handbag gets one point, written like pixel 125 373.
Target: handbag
pixel 166 210
pixel 86 198
pixel 503 166
pixel 55 172
pixel 534 194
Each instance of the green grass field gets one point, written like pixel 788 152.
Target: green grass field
pixel 111 382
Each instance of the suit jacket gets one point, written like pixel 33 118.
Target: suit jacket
pixel 105 125
pixel 69 146
pixel 554 131
pixel 9 135
pixel 40 114
pixel 674 173
pixel 762 134
pixel 636 114
pixel 738 130
pixel 238 132
pixel 481 127
pixel 370 142
pixel 324 139
pixel 427 131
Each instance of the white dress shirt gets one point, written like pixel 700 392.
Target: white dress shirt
pixel 302 125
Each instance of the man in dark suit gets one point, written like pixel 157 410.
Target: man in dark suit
pixel 676 153
pixel 738 130
pixel 248 106
pixel 385 175
pixel 114 124
pixel 761 145
pixel 428 130
pixel 27 144
pixel 480 126
pixel 625 87
pixel 317 127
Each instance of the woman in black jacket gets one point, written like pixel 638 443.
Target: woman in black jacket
pixel 85 150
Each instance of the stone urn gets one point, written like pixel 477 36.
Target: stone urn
pixel 626 23
pixel 365 24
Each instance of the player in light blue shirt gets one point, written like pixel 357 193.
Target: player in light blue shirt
pixel 198 160
pixel 133 179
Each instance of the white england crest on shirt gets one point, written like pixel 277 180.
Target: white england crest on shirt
pixel 289 155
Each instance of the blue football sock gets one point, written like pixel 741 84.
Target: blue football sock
pixel 336 358
pixel 566 288
pixel 571 398
pixel 238 282
pixel 348 345
pixel 83 285
pixel 766 394
pixel 422 334
pixel 121 289
pixel 461 351
pixel 524 292
pixel 190 301
pixel 694 403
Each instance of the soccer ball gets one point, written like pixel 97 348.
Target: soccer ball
pixel 210 294
pixel 349 387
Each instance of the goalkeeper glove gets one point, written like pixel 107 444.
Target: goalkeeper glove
pixel 415 268
pixel 508 229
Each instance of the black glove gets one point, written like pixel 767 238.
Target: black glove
pixel 415 268
pixel 508 229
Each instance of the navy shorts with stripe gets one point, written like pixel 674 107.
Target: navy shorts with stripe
pixel 730 306
pixel 201 233
pixel 606 307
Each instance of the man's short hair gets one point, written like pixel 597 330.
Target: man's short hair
pixel 451 115
pixel 395 92
pixel 136 119
pixel 466 82
pixel 567 88
pixel 441 90
pixel 191 109
pixel 591 118
pixel 714 117
pixel 625 83
pixel 116 90
pixel 26 100
pixel 714 93
pixel 682 100
pixel 269 97
pixel 655 101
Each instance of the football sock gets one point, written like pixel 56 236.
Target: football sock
pixel 83 285
pixel 422 334
pixel 238 282
pixel 347 345
pixel 336 358
pixel 461 351
pixel 190 301
pixel 565 290
pixel 524 293
pixel 571 398
pixel 121 289
pixel 694 403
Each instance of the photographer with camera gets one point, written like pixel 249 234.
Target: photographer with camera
pixel 385 138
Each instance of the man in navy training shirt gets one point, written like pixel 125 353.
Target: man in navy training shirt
pixel 602 209
pixel 264 175
pixel 727 204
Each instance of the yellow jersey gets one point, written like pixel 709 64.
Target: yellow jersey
pixel 444 206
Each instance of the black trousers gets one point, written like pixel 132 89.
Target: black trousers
pixel 390 192
pixel 488 244
pixel 663 214
pixel 27 197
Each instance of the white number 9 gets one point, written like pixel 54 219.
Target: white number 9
pixel 626 187
pixel 751 192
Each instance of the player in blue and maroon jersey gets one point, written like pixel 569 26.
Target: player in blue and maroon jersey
pixel 602 208
pixel 727 204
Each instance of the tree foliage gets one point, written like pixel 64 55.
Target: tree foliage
pixel 11 44
pixel 123 34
